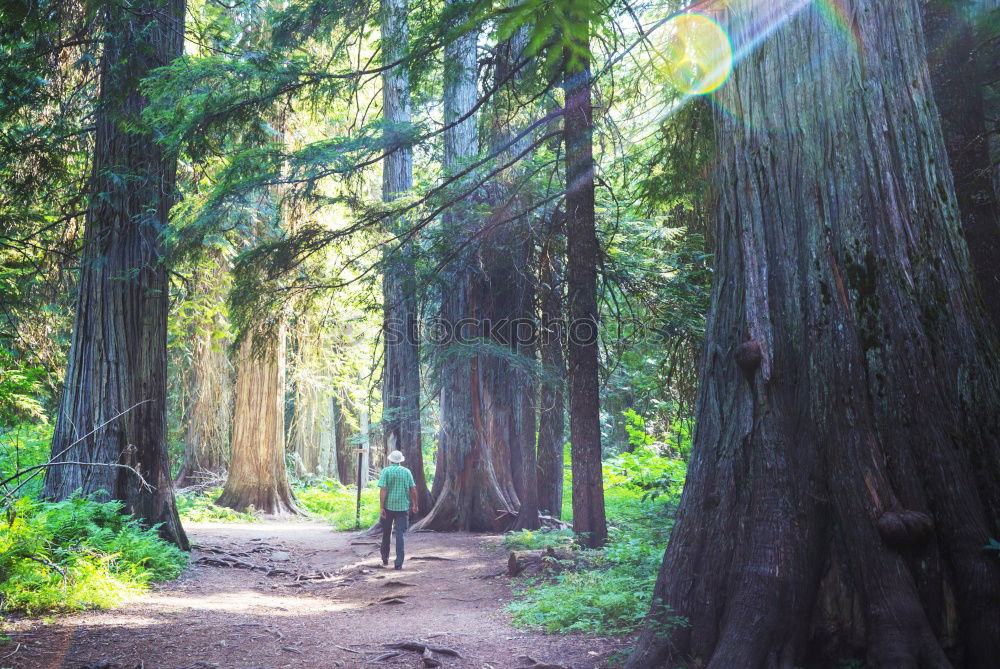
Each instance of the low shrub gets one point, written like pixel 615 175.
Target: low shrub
pixel 522 540
pixel 23 446
pixel 200 507
pixel 612 595
pixel 611 601
pixel 336 503
pixel 76 554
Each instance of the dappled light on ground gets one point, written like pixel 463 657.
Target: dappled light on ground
pixel 302 595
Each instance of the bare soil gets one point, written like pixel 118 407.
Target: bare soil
pixel 301 595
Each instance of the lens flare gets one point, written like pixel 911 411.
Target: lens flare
pixel 695 54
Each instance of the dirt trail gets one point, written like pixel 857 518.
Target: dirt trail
pixel 447 594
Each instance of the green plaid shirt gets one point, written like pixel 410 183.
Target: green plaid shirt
pixel 398 480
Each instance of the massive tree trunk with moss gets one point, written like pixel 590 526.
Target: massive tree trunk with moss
pixel 846 466
pixel 401 363
pixel 958 74
pixel 257 472
pixel 582 251
pixel 113 408
pixel 467 490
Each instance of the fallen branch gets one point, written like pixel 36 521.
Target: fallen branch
pixel 419 647
pixel 429 660
pixel 525 662
pixel 383 657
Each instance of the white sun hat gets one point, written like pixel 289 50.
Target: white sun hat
pixel 396 457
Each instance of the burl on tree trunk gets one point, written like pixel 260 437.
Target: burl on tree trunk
pixel 112 415
pixel 844 476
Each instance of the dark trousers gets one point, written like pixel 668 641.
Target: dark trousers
pixel 401 519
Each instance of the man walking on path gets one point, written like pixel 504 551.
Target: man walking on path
pixel 398 499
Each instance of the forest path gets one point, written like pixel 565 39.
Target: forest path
pixel 338 614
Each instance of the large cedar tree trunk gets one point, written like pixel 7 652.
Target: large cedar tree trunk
pixel 209 414
pixel 844 474
pixel 118 356
pixel 401 368
pixel 314 419
pixel 467 491
pixel 958 77
pixel 509 388
pixel 582 252
pixel 257 472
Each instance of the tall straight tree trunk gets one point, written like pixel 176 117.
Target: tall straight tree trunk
pixel 257 472
pixel 551 412
pixel 118 357
pixel 845 473
pixel 958 77
pixel 401 368
pixel 468 490
pixel 582 252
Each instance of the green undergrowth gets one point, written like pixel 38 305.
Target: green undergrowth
pixel 78 554
pixel 611 594
pixel 336 503
pixel 537 539
pixel 21 447
pixel 200 507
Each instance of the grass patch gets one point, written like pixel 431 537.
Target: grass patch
pixel 200 507
pixel 329 499
pixel 336 503
pixel 77 554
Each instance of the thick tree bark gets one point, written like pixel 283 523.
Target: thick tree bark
pixel 510 389
pixel 467 490
pixel 401 368
pixel 209 416
pixel 845 472
pixel 551 411
pixel 958 77
pixel 582 252
pixel 257 473
pixel 118 357
pixel 314 418
pixel 208 419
